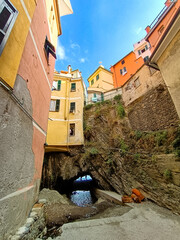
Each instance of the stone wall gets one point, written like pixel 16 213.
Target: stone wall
pixel 153 111
pixel 16 159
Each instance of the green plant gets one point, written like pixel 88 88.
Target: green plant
pixel 177 152
pixel 120 110
pixel 89 106
pixel 154 158
pixel 167 174
pixel 123 147
pixel 117 98
pixel 109 161
pixel 94 151
pixel 136 156
pixel 108 102
pixel 161 138
pixel 97 104
pixel 176 143
pixel 86 155
pixel 138 134
pixel 97 113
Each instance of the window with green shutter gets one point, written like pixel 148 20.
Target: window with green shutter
pixel 97 77
pixel 54 105
pixel 59 85
pixel 57 105
pixel 72 106
pixel 73 87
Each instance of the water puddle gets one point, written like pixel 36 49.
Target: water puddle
pixel 82 198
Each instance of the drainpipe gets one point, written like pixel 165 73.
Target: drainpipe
pixel 115 76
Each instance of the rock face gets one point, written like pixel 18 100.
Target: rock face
pixel 119 158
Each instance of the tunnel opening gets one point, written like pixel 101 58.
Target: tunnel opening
pixel 80 189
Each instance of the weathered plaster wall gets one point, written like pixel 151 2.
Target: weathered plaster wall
pixel 153 111
pixel 16 161
pixel 148 78
pixel 169 64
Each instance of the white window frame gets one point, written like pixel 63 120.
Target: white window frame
pixel 10 22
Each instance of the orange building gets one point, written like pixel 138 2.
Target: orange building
pixel 157 28
pixel 125 68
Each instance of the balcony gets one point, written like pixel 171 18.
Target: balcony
pixel 95 99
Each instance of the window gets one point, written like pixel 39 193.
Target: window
pixel 92 82
pixel 8 15
pixel 72 107
pixel 97 77
pixel 146 47
pixel 94 95
pixel 55 105
pixel 143 50
pixel 136 82
pixel 122 62
pixel 139 52
pixel 49 49
pixel 56 85
pixel 73 87
pixel 123 71
pixel 72 129
pixel 146 58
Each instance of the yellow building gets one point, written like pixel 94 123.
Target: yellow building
pixel 99 82
pixel 14 30
pixel 65 124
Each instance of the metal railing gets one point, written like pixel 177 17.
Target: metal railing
pixel 105 97
pixel 158 17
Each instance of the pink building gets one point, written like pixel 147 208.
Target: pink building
pixel 25 108
pixel 142 49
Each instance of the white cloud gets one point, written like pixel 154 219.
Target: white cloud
pixel 74 45
pixel 138 30
pixel 60 52
pixel 82 60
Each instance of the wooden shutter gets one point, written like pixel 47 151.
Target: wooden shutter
pixel 57 105
pixel 59 85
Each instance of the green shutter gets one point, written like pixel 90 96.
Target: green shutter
pixel 59 85
pixel 57 105
pixel 72 106
pixel 73 86
pixel 102 97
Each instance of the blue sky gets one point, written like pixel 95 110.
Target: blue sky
pixel 102 31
